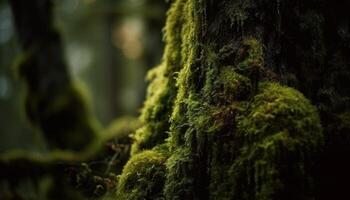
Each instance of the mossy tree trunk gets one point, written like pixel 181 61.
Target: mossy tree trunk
pixel 251 101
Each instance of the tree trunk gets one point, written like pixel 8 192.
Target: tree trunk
pixel 250 102
pixel 53 104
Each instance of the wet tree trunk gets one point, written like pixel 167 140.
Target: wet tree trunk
pixel 251 101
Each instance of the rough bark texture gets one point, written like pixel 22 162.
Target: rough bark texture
pixel 251 101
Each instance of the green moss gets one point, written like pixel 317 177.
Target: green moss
pixel 244 140
pixel 276 108
pixel 155 111
pixel 281 135
pixel 162 89
pixel 250 60
pixel 233 85
pixel 237 11
pixel 230 135
pixel 276 139
pixel 250 54
pixel 190 59
pixel 179 179
pixel 143 177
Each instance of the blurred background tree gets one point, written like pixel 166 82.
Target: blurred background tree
pixel 109 46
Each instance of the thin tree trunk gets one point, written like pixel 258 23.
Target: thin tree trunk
pixel 53 103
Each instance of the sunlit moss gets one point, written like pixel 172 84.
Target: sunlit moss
pixel 154 114
pixel 189 55
pixel 143 176
pixel 162 90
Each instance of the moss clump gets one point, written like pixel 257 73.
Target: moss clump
pixel 250 56
pixel 233 86
pixel 250 60
pixel 276 108
pixel 154 114
pixel 272 143
pixel 143 176
pixel 281 136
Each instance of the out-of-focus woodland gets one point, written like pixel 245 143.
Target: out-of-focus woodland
pixel 108 46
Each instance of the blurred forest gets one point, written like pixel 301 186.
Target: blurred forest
pixel 109 46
